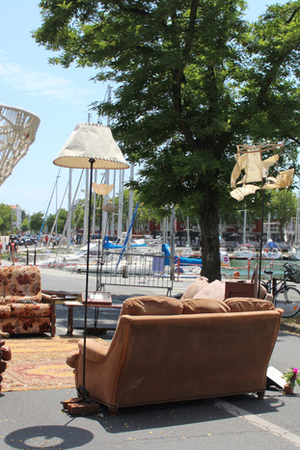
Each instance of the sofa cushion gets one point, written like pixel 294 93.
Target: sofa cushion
pixel 238 304
pixel 5 311
pixel 204 305
pixel 26 325
pixel 30 309
pixel 151 305
pixel 195 287
pixel 214 290
pixel 22 283
pixel 262 292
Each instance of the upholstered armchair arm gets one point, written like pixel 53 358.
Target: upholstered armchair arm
pixel 72 358
pixel 46 298
pixel 95 351
pixel 49 297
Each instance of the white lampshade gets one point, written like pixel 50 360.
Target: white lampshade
pixel 109 207
pixel 91 141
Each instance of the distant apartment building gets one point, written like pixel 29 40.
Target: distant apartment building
pixel 16 216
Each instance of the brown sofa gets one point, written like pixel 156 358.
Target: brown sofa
pixel 24 308
pixel 167 350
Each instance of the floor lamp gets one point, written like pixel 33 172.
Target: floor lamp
pixel 90 146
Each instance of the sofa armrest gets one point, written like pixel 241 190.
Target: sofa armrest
pixel 72 359
pixel 46 298
pixel 95 351
pixel 49 297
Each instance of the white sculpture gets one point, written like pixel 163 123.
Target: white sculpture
pixel 17 132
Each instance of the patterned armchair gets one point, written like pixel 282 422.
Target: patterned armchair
pixel 24 308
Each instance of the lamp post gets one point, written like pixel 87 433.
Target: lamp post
pixel 90 146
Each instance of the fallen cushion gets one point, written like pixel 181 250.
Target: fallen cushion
pixel 195 287
pixel 214 290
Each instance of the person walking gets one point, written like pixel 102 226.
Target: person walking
pixel 13 248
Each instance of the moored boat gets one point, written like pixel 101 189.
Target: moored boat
pixel 294 254
pixel 271 251
pixel 244 251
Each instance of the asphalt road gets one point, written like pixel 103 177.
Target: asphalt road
pixel 56 279
pixel 33 419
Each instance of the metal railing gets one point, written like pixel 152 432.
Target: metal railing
pixel 135 269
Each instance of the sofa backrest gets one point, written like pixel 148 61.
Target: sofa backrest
pixel 158 305
pixel 151 305
pixel 20 283
pixel 170 357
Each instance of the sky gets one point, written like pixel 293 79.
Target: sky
pixel 61 98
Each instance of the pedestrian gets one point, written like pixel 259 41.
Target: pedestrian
pixel 13 248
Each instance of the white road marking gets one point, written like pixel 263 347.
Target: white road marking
pixel 258 421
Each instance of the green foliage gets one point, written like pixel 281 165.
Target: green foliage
pixel 5 218
pixel 283 207
pixel 25 225
pixel 193 79
pixel 36 221
pixel 61 220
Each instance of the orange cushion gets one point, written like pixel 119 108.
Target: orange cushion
pixel 204 305
pixel 195 287
pixel 238 304
pixel 214 290
pixel 151 305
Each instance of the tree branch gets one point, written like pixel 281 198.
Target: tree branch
pixel 293 15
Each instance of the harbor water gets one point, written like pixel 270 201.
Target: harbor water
pixel 243 268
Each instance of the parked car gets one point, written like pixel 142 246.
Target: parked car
pixel 26 240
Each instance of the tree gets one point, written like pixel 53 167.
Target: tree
pixel 5 218
pixel 25 225
pixel 193 79
pixel 36 221
pixel 283 208
pixel 61 220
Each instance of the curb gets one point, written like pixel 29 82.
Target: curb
pixel 290 327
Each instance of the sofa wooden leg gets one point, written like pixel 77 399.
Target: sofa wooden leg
pixel 260 395
pixel 113 411
pixel 53 325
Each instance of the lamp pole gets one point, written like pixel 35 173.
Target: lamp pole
pixel 82 389
pixel 261 232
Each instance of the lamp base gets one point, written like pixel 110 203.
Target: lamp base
pixel 77 406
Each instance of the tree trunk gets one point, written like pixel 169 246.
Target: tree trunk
pixel 209 226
